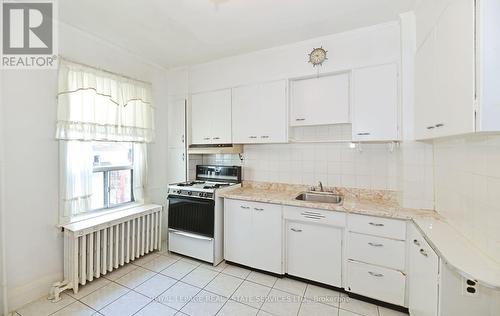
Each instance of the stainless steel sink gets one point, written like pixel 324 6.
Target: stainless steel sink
pixel 320 197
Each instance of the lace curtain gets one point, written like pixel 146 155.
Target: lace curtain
pixel 98 105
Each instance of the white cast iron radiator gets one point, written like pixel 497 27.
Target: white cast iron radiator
pixel 99 245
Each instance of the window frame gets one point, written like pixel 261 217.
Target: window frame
pixel 106 170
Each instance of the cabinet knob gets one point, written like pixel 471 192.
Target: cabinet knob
pixel 423 253
pixel 296 230
pixel 378 275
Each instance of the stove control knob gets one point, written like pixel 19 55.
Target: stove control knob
pixel 202 194
pixel 190 193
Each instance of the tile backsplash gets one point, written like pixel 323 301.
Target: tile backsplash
pixel 467 184
pixel 367 166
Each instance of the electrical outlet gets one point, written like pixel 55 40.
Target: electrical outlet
pixel 470 288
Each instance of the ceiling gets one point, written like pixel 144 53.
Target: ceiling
pixel 179 32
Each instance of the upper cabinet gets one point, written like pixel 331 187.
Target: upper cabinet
pixel 211 118
pixel 457 72
pixel 320 100
pixel 260 113
pixel 375 110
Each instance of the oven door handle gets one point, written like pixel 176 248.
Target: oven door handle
pixel 178 232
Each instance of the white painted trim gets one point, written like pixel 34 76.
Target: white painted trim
pixel 25 294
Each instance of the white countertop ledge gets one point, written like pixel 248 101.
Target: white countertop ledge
pixel 110 218
pixel 459 253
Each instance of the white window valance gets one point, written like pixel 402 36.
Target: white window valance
pixel 97 105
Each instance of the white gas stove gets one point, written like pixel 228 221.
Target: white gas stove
pixel 195 212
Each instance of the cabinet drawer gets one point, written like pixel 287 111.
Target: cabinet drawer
pixel 379 283
pixel 315 216
pixel 377 226
pixel 377 250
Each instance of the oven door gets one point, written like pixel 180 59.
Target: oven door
pixel 192 215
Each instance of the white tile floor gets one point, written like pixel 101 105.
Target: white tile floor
pixel 166 284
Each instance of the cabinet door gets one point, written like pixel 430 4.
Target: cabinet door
pixel 425 89
pixel 238 236
pixel 267 237
pixel 211 117
pixel 375 103
pixel 423 284
pixel 320 101
pixel 455 70
pixel 220 117
pixel 314 252
pixel 259 113
pixel 272 113
pixel 200 119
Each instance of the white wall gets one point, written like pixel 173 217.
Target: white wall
pixel 467 178
pixel 34 252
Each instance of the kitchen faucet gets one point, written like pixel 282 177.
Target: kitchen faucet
pixel 321 186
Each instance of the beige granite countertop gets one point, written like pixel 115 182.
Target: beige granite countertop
pixel 448 242
pixel 367 202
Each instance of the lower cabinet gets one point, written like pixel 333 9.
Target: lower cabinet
pixel 253 234
pixel 314 252
pixel 376 282
pixel 424 270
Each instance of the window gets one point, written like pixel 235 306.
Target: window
pixel 113 174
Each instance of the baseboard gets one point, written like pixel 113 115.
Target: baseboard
pixel 22 295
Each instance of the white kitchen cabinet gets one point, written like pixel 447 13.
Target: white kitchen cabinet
pixel 423 283
pixel 253 234
pixel 376 256
pixel 458 72
pixel 314 252
pixel 259 113
pixel 211 118
pixel 320 100
pixel 375 109
pixel 382 284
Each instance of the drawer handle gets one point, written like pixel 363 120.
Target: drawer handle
pixel 378 275
pixel 376 224
pixel 430 127
pixel 245 207
pixel 423 253
pixel 300 119
pixel 416 242
pixel 253 137
pixel 375 244
pixel 313 214
pixel 258 209
pixel 314 217
pixel 265 136
pixel 216 138
pixel 296 230
pixel 206 138
pixel 363 134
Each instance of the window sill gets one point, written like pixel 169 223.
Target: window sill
pixel 97 214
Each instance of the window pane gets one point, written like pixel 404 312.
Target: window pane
pixel 97 190
pixel 120 187
pixel 107 154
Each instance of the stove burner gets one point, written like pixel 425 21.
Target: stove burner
pixel 190 183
